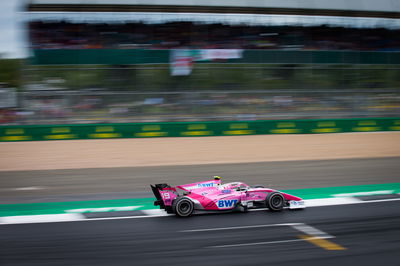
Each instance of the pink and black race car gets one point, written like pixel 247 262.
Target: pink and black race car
pixel 213 196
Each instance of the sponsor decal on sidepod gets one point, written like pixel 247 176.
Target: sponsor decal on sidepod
pixel 226 204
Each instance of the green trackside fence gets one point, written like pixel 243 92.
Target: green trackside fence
pixel 195 129
pixel 143 56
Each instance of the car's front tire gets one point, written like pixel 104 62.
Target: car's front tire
pixel 183 207
pixel 275 201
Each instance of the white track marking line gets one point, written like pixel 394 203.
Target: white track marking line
pixel 257 243
pixel 155 212
pixel 5 220
pixel 330 201
pixel 125 217
pixel 105 209
pixel 312 231
pixel 239 227
pixel 366 193
pixel 26 188
pixel 350 202
pixel 158 216
pixel 48 218
pixel 317 237
pixel 126 208
pixel 374 201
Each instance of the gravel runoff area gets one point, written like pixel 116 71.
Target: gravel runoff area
pixel 106 153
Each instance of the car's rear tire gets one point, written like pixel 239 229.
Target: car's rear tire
pixel 275 201
pixel 183 207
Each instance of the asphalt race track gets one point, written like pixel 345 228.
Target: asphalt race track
pixel 365 234
pixel 361 234
pixel 112 183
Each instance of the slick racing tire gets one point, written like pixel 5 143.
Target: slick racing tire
pixel 183 207
pixel 275 201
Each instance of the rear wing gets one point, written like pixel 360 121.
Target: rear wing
pixel 165 194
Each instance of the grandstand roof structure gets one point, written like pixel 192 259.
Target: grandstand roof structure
pixel 342 8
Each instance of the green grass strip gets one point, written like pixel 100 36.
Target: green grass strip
pixel 63 207
pixel 330 192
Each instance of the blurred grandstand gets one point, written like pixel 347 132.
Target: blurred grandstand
pixel 176 35
pixel 133 61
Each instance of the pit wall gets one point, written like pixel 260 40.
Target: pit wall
pixel 195 129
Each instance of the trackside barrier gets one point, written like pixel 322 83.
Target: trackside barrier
pixel 195 129
pixel 159 56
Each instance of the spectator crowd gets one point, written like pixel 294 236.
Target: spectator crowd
pixel 67 35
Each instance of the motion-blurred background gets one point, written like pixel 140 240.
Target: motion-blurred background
pixel 149 61
pixel 234 87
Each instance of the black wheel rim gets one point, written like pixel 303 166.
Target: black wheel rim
pixel 276 201
pixel 185 207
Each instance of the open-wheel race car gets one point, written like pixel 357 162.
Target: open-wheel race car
pixel 213 196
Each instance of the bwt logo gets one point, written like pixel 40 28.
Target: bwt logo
pixel 227 203
pixel 206 185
